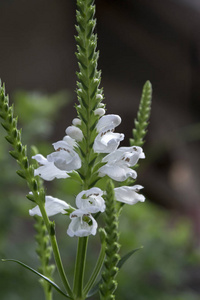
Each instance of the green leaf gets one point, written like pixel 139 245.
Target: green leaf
pixel 95 289
pixel 40 275
pixel 126 257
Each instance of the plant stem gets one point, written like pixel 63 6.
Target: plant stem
pixel 51 231
pixel 80 268
pixel 96 270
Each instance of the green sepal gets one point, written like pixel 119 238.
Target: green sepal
pixel 21 173
pixel 53 284
pixel 30 197
pixel 9 139
pixel 34 185
pixel 14 154
pixel 98 165
pixel 75 176
pixel 5 126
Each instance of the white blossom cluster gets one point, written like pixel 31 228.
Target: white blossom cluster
pixel 118 166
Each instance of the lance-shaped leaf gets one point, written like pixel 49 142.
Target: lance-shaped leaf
pixel 53 284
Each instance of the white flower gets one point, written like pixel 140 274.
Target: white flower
pixel 58 163
pixel 108 121
pixel 91 200
pixel 48 171
pixel 107 141
pixel 129 194
pixel 65 158
pixel 74 132
pixel 119 163
pixel 53 206
pixel 82 224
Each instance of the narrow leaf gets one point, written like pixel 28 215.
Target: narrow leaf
pixel 126 257
pixel 40 275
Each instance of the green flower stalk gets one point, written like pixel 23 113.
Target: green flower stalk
pixel 143 115
pixel 109 285
pixel 44 252
pixel 27 172
pixel 89 94
pixel 19 151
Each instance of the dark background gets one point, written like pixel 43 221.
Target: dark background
pixel 138 40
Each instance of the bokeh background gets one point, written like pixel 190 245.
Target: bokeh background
pixel 138 40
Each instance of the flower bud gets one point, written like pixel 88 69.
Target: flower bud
pixel 75 133
pixel 99 111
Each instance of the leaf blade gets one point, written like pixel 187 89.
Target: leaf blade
pixel 40 275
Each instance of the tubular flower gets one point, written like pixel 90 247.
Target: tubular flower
pixel 53 206
pixel 107 141
pixel 119 162
pixel 48 171
pixel 65 158
pixel 58 163
pixel 129 194
pixel 91 200
pixel 82 224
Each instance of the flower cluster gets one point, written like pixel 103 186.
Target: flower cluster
pixel 117 164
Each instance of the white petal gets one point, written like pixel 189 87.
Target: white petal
pixel 49 172
pixel 71 142
pixel 108 121
pixel 94 190
pixel 67 160
pixel 128 155
pixel 53 206
pixel 128 194
pixel 108 142
pixel 79 224
pixel 40 159
pixel 75 133
pixel 117 172
pixel 62 145
pixel 91 200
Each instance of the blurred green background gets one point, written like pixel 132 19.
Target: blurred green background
pixel 168 267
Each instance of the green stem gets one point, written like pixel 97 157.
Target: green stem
pixel 80 268
pixel 96 270
pixel 51 231
pixel 48 293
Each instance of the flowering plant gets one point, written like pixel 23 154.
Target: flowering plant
pixel 89 151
